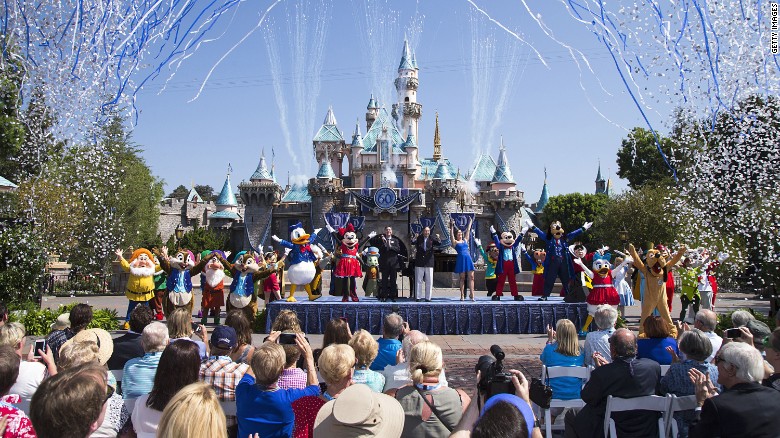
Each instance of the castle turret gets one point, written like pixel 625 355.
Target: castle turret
pixel 227 206
pixel 502 178
pixel 355 148
pixel 329 142
pixel 260 196
pixel 601 183
pixel 544 198
pixel 436 141
pixel 372 111
pixel 327 193
pixel 407 109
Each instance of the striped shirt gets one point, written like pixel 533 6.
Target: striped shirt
pixel 223 375
pixel 138 375
pixel 292 378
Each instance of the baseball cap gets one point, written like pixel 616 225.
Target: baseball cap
pixel 224 337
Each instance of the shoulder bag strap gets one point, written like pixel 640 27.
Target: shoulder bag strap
pixel 433 409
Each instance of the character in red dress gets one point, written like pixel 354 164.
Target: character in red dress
pixel 603 291
pixel 348 265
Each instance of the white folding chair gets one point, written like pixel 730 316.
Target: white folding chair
pixel 129 404
pixel 677 404
pixel 229 407
pixel 553 372
pixel 645 403
pixel 664 369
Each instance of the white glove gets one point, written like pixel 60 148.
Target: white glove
pixel 522 247
pixel 287 251
pixel 523 230
pixel 578 261
pixel 478 242
pixel 372 234
pixel 317 230
pixel 722 256
pixel 492 229
pixel 629 260
pixel 528 223
pixel 587 225
pixel 275 238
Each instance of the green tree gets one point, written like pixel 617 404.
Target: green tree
pixel 201 239
pixel 22 263
pixel 206 192
pixel 39 144
pixel 573 210
pixel 180 192
pixel 11 129
pixel 638 159
pixel 58 214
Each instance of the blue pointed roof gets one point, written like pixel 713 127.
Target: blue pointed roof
pixel 372 103
pixel 262 173
pixel 414 61
pixel 410 142
pixel 407 61
pixel 226 196
pixel 224 214
pixel 428 167
pixel 357 138
pixel 5 183
pixel 598 175
pixel 484 169
pixel 383 119
pixel 326 170
pixel 273 174
pixel 297 193
pixel 502 174
pixel 544 199
pixel 328 131
pixel 442 172
pixel 194 196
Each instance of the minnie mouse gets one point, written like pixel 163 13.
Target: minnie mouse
pixel 348 266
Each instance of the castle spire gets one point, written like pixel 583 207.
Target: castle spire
pixel 545 197
pixel 601 183
pixel 226 196
pixel 261 173
pixel 407 60
pixel 436 141
pixel 503 174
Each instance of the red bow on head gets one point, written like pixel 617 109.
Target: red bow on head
pixel 349 228
pixel 305 248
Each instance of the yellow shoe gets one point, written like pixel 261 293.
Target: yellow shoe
pixel 314 297
pixel 126 326
pixel 291 299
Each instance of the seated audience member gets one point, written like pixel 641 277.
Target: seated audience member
pixel 243 327
pixel 658 338
pixel 360 412
pixel 743 318
pixel 194 412
pixel 336 367
pixel 605 318
pixel 399 375
pixel 286 321
pixel 292 376
pixel 772 351
pixel 31 372
pixel 71 404
pixel 695 348
pixel 430 410
pixel 389 343
pixel 503 415
pixel 706 320
pixel 563 350
pixel 220 371
pixel 625 377
pixel 128 346
pixel 16 422
pixel 80 317
pixel 138 374
pixel 336 332
pixel 365 352
pixel 263 407
pixel 178 367
pixel 180 327
pixel 745 408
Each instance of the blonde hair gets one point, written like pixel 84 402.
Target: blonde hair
pixel 73 354
pixel 12 333
pixel 336 362
pixel 194 412
pixel 366 348
pixel 179 324
pixel 566 335
pixel 268 363
pixel 425 360
pixel 286 320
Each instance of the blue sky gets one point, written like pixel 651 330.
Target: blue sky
pixel 561 116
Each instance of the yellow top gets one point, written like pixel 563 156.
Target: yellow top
pixel 138 288
pixel 539 269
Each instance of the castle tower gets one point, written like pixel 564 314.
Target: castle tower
pixel 328 142
pixel 412 162
pixel 260 196
pixel 502 178
pixel 355 148
pixel 407 108
pixel 601 183
pixel 506 201
pixel 227 206
pixel 372 111
pixel 443 193
pixel 544 198
pixel 436 141
pixel 327 193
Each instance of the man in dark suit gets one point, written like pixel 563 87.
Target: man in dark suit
pixel 625 377
pixel 423 263
pixel 129 346
pixel 391 253
pixel 745 408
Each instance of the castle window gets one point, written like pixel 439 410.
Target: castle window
pixel 385 150
pixel 369 181
pixel 399 179
pixel 406 99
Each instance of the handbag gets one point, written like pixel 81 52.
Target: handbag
pixel 539 393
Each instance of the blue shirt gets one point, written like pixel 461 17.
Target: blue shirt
pixel 388 348
pixel 374 380
pixel 655 349
pixel 563 388
pixel 138 375
pixel 268 413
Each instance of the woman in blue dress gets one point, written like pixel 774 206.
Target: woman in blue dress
pixel 463 263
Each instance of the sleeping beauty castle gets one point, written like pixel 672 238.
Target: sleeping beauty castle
pixel 393 179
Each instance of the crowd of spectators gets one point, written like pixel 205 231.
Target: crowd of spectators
pixel 180 382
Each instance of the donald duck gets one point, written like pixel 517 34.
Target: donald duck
pixel 301 269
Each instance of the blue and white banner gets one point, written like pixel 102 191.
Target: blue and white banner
pixel 416 229
pixel 337 220
pixel 358 222
pixel 428 222
pixel 461 220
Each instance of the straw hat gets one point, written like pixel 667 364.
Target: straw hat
pixel 63 322
pixel 360 412
pixel 99 336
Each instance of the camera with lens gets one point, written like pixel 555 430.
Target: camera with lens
pixel 493 380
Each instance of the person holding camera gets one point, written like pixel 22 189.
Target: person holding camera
pixel 431 410
pixel 563 350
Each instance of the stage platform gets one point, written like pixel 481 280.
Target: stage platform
pixel 441 316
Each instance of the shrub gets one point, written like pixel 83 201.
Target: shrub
pixel 38 322
pixel 258 325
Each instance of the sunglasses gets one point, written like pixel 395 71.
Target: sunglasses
pixel 719 359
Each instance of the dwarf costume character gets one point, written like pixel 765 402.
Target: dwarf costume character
pixel 348 267
pixel 245 272
pixel 537 264
pixel 558 262
pixel 180 269
pixel 301 269
pixel 507 265
pixel 160 290
pixel 140 284
pixel 271 288
pixel 602 283
pixel 655 293
pixel 490 265
pixel 371 279
pixel 213 286
pixel 690 273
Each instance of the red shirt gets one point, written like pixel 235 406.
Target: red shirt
pixel 305 410
pixel 18 425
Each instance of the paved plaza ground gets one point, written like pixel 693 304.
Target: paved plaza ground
pixel 461 351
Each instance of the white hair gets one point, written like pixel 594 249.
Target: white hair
pixel 746 359
pixel 741 318
pixel 605 316
pixel 154 337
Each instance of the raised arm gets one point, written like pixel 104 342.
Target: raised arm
pixel 637 260
pixel 677 257
pixel 584 268
pixel 468 230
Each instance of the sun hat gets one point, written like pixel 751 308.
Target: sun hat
pixel 99 336
pixel 62 322
pixel 360 412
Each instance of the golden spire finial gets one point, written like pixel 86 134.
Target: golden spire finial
pixel 436 141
